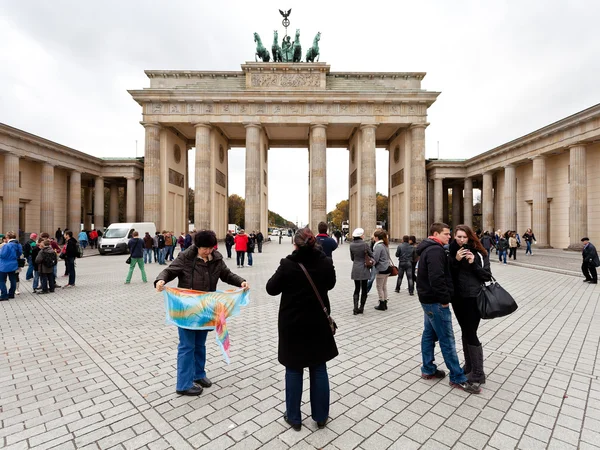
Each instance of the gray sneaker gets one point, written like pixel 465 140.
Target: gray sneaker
pixel 467 386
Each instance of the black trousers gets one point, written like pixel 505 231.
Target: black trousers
pixel 512 252
pixel 360 284
pixel 589 271
pixel 467 314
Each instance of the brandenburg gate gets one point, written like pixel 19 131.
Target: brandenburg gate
pixel 283 105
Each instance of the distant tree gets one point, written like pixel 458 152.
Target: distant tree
pixel 382 207
pixel 236 207
pixel 339 214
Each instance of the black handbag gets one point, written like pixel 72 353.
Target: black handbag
pixel 493 301
pixel 332 323
pixel 128 260
pixel 21 262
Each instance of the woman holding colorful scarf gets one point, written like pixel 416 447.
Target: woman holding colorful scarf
pixel 199 268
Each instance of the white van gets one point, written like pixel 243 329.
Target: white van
pixel 117 235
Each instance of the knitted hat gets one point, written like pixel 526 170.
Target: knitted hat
pixel 33 236
pixel 358 232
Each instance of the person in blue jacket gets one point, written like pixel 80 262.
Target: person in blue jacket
pixel 328 244
pixel 9 256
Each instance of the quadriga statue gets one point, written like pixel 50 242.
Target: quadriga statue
pixel 261 51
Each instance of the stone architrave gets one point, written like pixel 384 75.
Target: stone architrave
pixel 468 203
pixel 368 189
pixel 113 206
pixel 47 199
pixel 487 200
pixel 99 203
pixel 253 177
pixel 75 202
pixel 418 183
pixel 510 198
pixel 438 200
pixel 152 174
pixel 10 201
pixel 457 200
pixel 540 202
pixel 131 194
pixel 318 175
pixel 203 188
pixel 577 196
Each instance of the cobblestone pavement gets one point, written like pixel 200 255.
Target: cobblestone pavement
pixel 94 367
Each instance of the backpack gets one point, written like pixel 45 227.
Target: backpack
pixel 27 250
pixel 49 259
pixel 79 251
pixel 161 241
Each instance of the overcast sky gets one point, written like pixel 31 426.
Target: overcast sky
pixel 504 69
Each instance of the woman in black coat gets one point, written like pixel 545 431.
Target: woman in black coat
pixel 305 337
pixel 470 267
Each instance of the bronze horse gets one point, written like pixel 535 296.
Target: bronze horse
pixel 261 51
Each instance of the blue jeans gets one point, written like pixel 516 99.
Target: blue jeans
pixel 36 279
pixel 29 274
pixel 438 325
pixel 173 252
pixel 372 279
pixel 71 269
pixel 249 258
pixel 12 277
pixel 83 243
pixel 319 393
pixel 161 255
pixel 502 254
pixel 147 256
pixel 528 247
pixel 168 253
pixel 156 252
pixel 191 357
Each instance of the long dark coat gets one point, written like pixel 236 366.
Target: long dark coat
pixel 305 338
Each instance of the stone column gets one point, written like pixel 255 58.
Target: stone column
pixel 540 202
pixel 445 201
pixel 253 177
pixel 131 200
pixel 47 199
pixel 152 174
pixel 368 189
pixel 430 201
pixel 75 203
pixel 10 202
pixel 99 203
pixel 468 203
pixel 438 200
pixel 577 197
pixel 203 188
pixel 457 200
pixel 87 208
pixel 113 206
pixel 139 203
pixel 318 175
pixel 487 202
pixel 510 198
pixel 418 183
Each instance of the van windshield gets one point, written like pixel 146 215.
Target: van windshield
pixel 116 233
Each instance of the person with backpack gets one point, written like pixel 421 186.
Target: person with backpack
pixel 502 246
pixel 29 245
pixel 136 252
pixel 71 252
pixel 161 248
pixel 46 260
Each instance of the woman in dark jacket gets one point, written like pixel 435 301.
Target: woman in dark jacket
pixel 199 268
pixel 470 267
pixel 360 273
pixel 305 337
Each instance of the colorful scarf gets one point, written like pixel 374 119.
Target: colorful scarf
pixel 197 310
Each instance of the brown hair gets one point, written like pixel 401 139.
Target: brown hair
pixel 473 239
pixel 382 236
pixel 322 227
pixel 304 237
pixel 46 243
pixel 405 238
pixel 10 235
pixel 437 227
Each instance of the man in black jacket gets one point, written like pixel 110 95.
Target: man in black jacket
pixel 590 262
pixel 70 255
pixel 434 286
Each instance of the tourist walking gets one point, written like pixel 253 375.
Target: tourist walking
pixel 241 246
pixel 405 254
pixel 328 244
pixel 71 253
pixel 470 267
pixel 160 238
pixel 381 255
pixel 250 247
pixel 260 238
pixel 501 247
pixel 10 253
pixel 93 239
pixel 229 243
pixel 83 239
pixel 36 267
pixel 199 267
pixel 529 237
pixel 359 251
pixel 512 244
pixel 46 260
pixel 590 261
pixel 305 335
pixel 58 235
pixel 136 253
pixel 148 248
pixel 487 241
pixel 435 290
pixel 155 246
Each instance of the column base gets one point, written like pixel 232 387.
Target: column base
pixel 575 247
pixel 540 246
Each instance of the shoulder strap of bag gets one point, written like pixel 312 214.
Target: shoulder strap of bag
pixel 391 263
pixel 314 288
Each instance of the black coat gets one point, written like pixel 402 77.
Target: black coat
pixel 590 255
pixel 195 273
pixel 468 278
pixel 434 281
pixel 305 338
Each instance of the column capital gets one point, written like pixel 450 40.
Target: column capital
pixel 364 126
pixel 151 125
pixel 202 125
pixel 578 144
pixel 46 163
pixel 131 177
pixel 252 125
pixel 99 177
pixel 508 166
pixel 538 157
pixel 318 125
pixel 418 125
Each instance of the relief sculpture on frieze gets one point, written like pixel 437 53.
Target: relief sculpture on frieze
pixel 285 80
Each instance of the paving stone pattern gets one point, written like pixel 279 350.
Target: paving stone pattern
pixel 94 367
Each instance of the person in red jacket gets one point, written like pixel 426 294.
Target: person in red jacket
pixel 241 246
